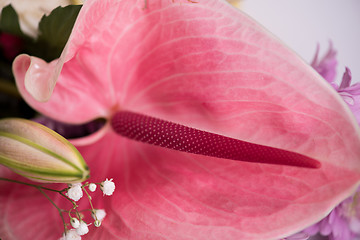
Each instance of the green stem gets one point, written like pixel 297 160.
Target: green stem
pixel 29 184
pixel 89 197
pixel 41 189
pixel 73 202
pixel 54 204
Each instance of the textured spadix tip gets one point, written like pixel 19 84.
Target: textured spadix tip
pixel 175 136
pixel 40 154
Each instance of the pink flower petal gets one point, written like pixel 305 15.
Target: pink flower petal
pixel 165 194
pixel 26 214
pixel 36 81
pixel 37 78
pixel 207 66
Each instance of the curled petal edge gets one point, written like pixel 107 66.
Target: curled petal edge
pixel 35 77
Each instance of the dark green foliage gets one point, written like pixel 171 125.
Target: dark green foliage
pixel 54 31
pixel 9 21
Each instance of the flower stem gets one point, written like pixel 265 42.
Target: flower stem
pixel 54 204
pixel 41 189
pixel 89 197
pixel 73 203
pixel 29 184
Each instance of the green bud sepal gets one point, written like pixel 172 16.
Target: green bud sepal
pixel 40 154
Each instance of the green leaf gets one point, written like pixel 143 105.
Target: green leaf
pixel 9 21
pixel 54 31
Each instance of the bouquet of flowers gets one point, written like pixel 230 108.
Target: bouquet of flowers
pixel 208 126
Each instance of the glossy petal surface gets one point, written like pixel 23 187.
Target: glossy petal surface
pixel 208 66
pixel 165 194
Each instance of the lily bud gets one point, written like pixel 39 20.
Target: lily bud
pixel 38 153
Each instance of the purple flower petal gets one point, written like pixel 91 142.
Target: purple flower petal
pixel 350 93
pixel 325 227
pixel 346 80
pixel 312 230
pixel 326 67
pixel 355 225
pixel 298 236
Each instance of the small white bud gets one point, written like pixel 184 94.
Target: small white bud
pixel 92 187
pixel 82 229
pixel 98 214
pixel 72 235
pixel 108 187
pixel 75 192
pixel 97 223
pixel 74 222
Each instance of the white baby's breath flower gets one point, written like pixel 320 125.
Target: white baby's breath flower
pixel 98 214
pixel 92 187
pixel 74 222
pixel 75 192
pixel 82 229
pixel 108 187
pixel 72 235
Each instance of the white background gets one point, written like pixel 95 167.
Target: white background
pixel 301 24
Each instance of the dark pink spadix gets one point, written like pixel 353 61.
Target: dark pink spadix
pixel 182 138
pixel 207 66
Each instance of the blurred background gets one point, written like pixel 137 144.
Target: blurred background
pixel 301 24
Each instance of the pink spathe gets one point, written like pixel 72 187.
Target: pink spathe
pixel 207 66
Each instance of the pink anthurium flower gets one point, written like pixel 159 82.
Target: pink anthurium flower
pixel 203 72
